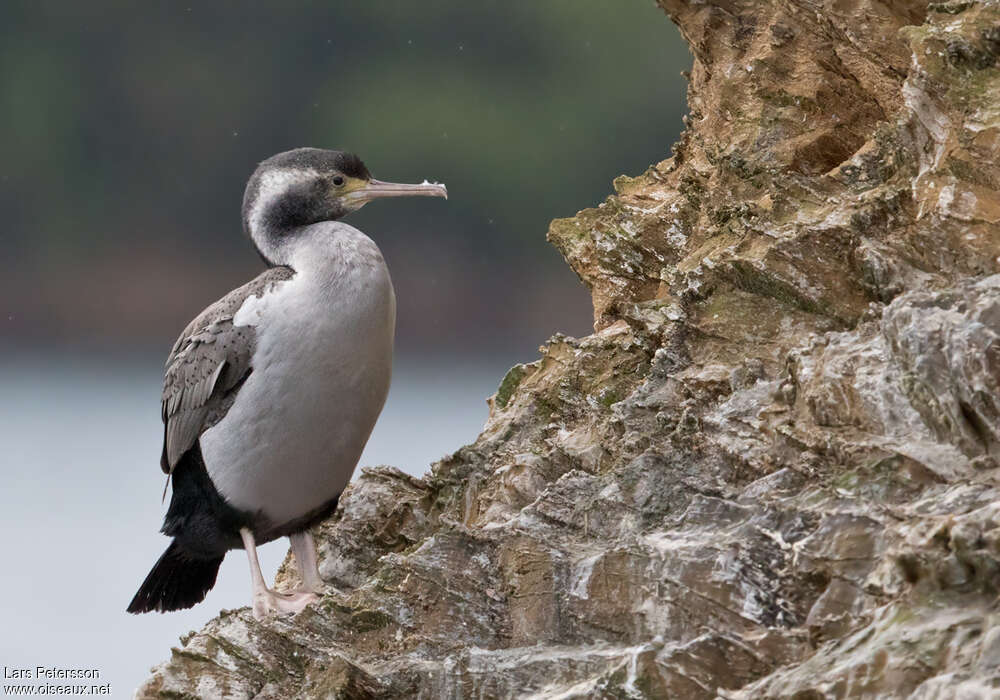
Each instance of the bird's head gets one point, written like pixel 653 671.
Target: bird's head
pixel 304 186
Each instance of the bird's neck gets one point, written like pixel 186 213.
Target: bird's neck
pixel 326 252
pixel 298 247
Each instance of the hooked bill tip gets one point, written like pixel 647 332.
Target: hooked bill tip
pixel 444 188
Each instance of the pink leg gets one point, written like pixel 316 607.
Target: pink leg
pixel 266 601
pixel 304 549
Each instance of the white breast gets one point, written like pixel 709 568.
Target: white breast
pixel 321 372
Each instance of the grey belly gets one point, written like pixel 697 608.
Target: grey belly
pixel 293 437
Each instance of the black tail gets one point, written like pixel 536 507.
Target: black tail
pixel 176 581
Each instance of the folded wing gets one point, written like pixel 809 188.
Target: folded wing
pixel 207 366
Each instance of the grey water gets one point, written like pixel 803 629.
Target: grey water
pixel 80 508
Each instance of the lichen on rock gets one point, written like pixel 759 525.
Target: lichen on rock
pixel 774 469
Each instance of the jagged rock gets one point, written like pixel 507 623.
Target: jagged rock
pixel 773 470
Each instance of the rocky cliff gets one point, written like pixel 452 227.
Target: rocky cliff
pixel 772 472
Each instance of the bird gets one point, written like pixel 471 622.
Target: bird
pixel 271 393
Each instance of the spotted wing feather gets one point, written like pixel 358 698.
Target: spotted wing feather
pixel 207 366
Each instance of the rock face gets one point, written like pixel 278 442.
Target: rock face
pixel 773 470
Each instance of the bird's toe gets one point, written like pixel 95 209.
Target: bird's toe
pixel 318 588
pixel 271 603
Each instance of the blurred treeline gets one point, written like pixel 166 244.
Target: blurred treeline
pixel 129 129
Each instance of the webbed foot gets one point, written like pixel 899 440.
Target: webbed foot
pixel 268 602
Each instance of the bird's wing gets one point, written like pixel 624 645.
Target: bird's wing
pixel 207 366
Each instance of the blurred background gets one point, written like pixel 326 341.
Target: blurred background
pixel 128 133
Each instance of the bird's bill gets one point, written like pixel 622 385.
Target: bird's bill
pixel 375 189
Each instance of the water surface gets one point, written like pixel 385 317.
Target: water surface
pixel 80 503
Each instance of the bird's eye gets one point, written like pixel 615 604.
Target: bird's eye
pixel 338 181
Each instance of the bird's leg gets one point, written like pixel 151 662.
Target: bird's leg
pixel 266 601
pixel 304 549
